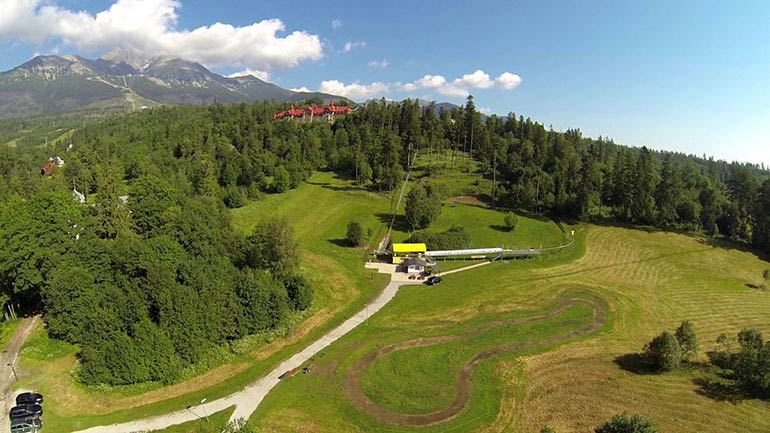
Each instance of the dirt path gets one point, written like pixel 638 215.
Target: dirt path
pixel 464 380
pixel 10 355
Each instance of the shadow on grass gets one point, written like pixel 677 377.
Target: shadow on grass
pixel 719 390
pixel 340 242
pixel 399 224
pixel 634 363
pixel 500 228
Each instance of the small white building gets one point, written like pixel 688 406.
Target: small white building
pixel 79 196
pixel 414 265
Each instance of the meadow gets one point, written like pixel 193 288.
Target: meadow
pixel 319 212
pixel 650 281
pixel 548 373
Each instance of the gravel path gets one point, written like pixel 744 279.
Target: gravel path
pixel 247 400
pixel 10 355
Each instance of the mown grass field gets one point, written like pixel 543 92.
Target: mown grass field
pixel 319 212
pixel 651 282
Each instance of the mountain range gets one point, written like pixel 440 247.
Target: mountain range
pixel 123 80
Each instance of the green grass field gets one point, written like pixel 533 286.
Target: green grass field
pixel 319 212
pixel 651 282
pixel 648 281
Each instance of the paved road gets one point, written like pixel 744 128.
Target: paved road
pixel 247 400
pixel 10 355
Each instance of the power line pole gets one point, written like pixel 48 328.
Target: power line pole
pixel 494 180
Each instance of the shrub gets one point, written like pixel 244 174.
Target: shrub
pixel 663 352
pixel 621 423
pixel 511 221
pixel 299 291
pixel 453 239
pixel 687 339
pixel 355 234
pixel 766 274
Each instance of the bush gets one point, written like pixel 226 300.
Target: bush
pixel 750 339
pixel 456 238
pixel 299 291
pixel 766 275
pixel 511 221
pixel 355 234
pixel 621 423
pixel 687 339
pixel 663 353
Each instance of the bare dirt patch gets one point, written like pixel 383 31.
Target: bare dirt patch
pixel 470 200
pixel 464 380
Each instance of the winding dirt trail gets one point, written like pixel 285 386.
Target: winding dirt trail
pixel 464 380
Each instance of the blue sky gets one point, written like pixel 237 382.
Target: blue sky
pixel 690 76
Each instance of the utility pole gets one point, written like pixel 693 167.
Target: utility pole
pixel 494 180
pixel 470 154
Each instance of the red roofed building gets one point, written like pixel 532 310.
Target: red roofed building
pixel 296 112
pixel 313 112
pixel 317 111
pixel 341 110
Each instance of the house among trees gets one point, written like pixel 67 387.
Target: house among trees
pixel 328 113
pixel 52 164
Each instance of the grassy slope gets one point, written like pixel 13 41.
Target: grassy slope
pixel 651 281
pixel 319 212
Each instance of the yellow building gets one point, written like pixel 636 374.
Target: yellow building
pixel 402 251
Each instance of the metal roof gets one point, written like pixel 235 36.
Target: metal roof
pixel 409 248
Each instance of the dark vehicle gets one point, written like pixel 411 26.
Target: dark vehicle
pixel 29 398
pixel 433 280
pixel 26 425
pixel 26 411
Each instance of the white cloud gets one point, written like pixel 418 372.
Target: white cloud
pixel 150 28
pixel 379 64
pixel 507 81
pixel 350 46
pixel 460 87
pixel 477 80
pixel 426 82
pixel 301 89
pixel 355 91
pixel 485 110
pixel 262 75
pixel 336 23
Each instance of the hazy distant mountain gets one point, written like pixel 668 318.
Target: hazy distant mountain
pixel 123 80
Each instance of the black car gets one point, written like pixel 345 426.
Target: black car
pixel 29 398
pixel 433 280
pixel 26 411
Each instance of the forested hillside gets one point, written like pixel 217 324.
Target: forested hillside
pixel 148 275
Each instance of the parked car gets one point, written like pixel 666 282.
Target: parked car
pixel 26 411
pixel 29 398
pixel 433 280
pixel 26 425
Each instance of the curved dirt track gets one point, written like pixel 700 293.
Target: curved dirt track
pixel 464 380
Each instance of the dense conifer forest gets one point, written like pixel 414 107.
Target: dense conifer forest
pixel 148 274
